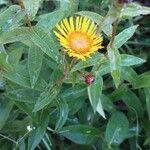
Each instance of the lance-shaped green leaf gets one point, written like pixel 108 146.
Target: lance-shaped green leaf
pixel 63 113
pixel 92 16
pixel 23 95
pixel 2 48
pixel 134 9
pixel 37 134
pixel 75 97
pixel 15 54
pixel 81 134
pixel 129 75
pixel 95 59
pixel 15 35
pixel 11 17
pixel 124 36
pixel 133 103
pixel 117 93
pixel 147 93
pixel 117 129
pixel 147 141
pixel 142 81
pixel 94 93
pixel 35 58
pixel 112 15
pixel 4 61
pixel 107 104
pixel 27 108
pixel 35 137
pixel 100 109
pixel 104 68
pixel 2 83
pixel 3 2
pixel 45 98
pixel 39 36
pixel 45 42
pixel 74 92
pixel 115 64
pixel 5 109
pixel 130 60
pixel 31 7
pixel 70 6
pixel 19 76
pixel 50 20
pixel 126 60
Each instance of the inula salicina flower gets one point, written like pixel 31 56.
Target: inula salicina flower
pixel 78 37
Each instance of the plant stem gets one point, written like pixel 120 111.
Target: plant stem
pixel 115 25
pixel 26 15
pixel 66 70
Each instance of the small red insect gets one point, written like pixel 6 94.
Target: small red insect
pixel 89 79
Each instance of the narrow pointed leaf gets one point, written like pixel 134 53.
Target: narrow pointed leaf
pixel 94 93
pixel 45 42
pixel 5 109
pixel 35 58
pixel 11 17
pixel 4 61
pixel 81 134
pixel 115 64
pixel 117 129
pixel 38 133
pixel 45 98
pixel 147 93
pixel 129 75
pixel 32 7
pixel 95 59
pixel 92 16
pixel 124 36
pixel 135 9
pixel 49 21
pixel 142 81
pixel 133 103
pixel 63 114
pixel 130 60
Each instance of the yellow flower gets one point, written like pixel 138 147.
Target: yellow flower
pixel 78 37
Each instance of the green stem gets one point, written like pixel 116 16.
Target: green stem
pixel 26 15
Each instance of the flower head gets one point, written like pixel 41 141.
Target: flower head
pixel 78 37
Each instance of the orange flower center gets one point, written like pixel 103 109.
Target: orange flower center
pixel 79 42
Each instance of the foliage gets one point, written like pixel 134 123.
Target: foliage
pixel 44 100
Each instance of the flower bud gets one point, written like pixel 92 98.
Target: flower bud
pixel 89 79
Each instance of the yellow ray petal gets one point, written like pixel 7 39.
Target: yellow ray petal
pixel 63 27
pixel 80 22
pixel 60 37
pixel 77 23
pixel 61 30
pixel 93 30
pixel 71 24
pixel 66 24
pixel 97 41
pixel 91 27
pixel 84 24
